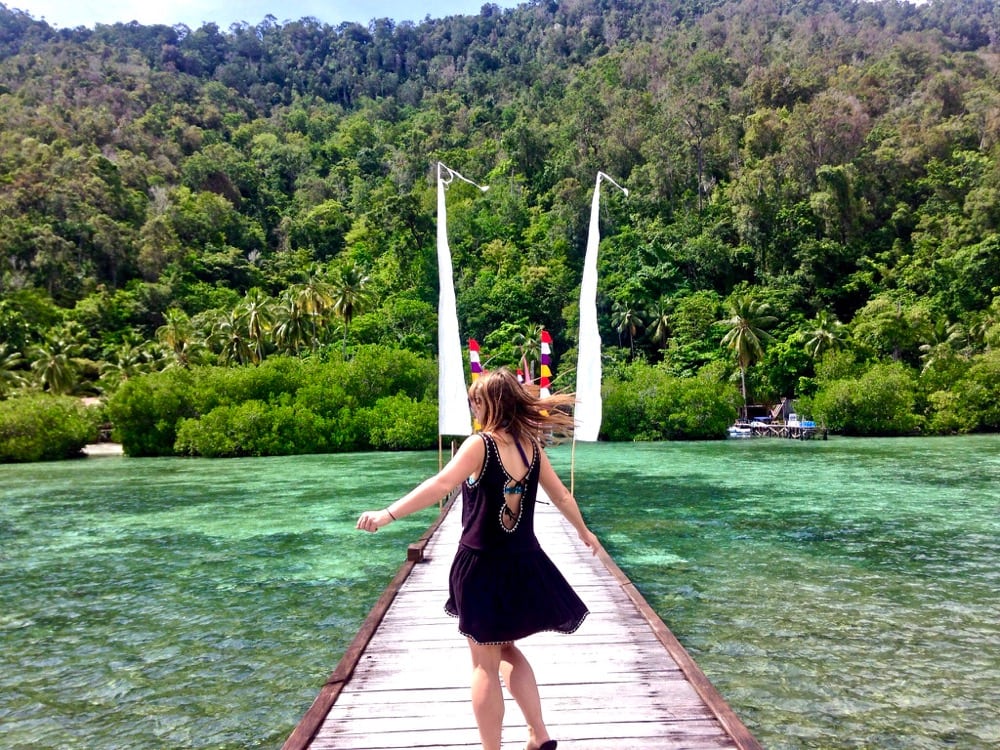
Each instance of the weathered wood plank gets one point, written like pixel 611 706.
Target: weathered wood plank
pixel 621 681
pixel 582 721
pixel 690 734
pixel 625 703
pixel 597 695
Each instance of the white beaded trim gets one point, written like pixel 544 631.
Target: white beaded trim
pixel 517 520
pixel 501 643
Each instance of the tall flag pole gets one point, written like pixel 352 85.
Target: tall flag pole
pixel 588 412
pixel 453 405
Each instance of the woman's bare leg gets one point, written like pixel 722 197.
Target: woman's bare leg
pixel 487 694
pixel 520 680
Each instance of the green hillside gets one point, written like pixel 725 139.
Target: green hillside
pixel 814 203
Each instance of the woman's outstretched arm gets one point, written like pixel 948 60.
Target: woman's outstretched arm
pixel 565 502
pixel 467 460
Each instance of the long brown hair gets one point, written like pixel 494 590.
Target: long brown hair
pixel 509 406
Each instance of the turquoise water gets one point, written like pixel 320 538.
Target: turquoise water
pixel 162 603
pixel 840 594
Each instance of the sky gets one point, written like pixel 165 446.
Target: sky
pixel 193 13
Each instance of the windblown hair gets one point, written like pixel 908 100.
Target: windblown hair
pixel 509 406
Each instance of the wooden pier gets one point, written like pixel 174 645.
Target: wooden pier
pixel 778 429
pixel 621 681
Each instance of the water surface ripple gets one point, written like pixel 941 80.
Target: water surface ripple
pixel 840 594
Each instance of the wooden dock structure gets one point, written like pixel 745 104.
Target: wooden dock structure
pixel 621 681
pixel 779 429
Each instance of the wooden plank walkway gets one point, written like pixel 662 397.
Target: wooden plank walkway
pixel 621 681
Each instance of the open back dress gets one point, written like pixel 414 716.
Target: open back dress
pixel 502 585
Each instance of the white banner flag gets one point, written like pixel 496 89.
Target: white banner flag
pixel 588 412
pixel 454 417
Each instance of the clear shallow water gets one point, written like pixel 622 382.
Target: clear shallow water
pixel 161 603
pixel 840 594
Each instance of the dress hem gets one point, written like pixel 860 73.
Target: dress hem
pixel 513 640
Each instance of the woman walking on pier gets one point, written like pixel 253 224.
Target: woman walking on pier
pixel 503 587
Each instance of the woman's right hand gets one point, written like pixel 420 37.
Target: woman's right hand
pixel 373 520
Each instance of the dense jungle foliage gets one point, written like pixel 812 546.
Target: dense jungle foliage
pixel 814 207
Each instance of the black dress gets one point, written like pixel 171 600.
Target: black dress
pixel 502 585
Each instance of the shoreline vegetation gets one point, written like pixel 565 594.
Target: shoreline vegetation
pixel 208 228
pixel 384 399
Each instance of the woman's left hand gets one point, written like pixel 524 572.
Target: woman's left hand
pixel 591 541
pixel 373 520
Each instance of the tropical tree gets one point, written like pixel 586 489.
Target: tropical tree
pixel 746 335
pixel 892 327
pixel 293 326
pixel 659 325
pixel 177 336
pixel 351 296
pixel 985 331
pixel 627 317
pixel 825 333
pixel 527 343
pixel 56 365
pixel 230 337
pixel 10 377
pixel 693 339
pixel 256 312
pixel 129 359
pixel 499 347
pixel 313 299
pixel 946 341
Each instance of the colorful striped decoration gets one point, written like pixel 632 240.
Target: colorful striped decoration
pixel 475 368
pixel 545 376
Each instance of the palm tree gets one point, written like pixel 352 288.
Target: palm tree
pixel 128 360
pixel 177 336
pixel 945 343
pixel 659 325
pixel 313 298
pixel 293 325
pixel 9 364
pixel 986 330
pixel 350 296
pixel 528 344
pixel 255 309
pixel 826 333
pixel 746 333
pixel 56 365
pixel 230 334
pixel 626 317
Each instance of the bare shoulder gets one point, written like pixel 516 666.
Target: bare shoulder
pixel 473 448
pixel 474 442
